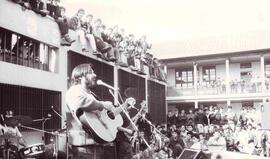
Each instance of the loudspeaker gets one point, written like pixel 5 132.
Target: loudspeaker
pixel 192 154
pixel 265 110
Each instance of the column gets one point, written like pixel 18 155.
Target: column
pixel 262 74
pixel 165 69
pixel 196 104
pixel 228 103
pixel 146 92
pixel 227 80
pixel 195 78
pixel 115 84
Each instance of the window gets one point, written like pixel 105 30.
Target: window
pixel 247 104
pixel 246 76
pixel 22 50
pixel 267 69
pixel 184 78
pixel 209 74
pixel 245 65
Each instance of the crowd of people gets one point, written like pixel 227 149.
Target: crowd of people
pixel 211 128
pixel 108 43
pixel 218 86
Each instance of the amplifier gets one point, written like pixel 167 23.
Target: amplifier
pixel 192 154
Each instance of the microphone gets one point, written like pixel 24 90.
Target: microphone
pixel 49 115
pixel 101 83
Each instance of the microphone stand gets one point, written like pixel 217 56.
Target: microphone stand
pixel 59 115
pixel 43 125
pixel 131 122
pixel 56 153
pixel 154 127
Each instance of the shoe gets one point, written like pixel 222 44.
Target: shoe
pixel 122 64
pixel 133 68
pixel 17 1
pixel 68 39
pixel 64 42
pixel 85 50
pixel 97 53
pixel 105 49
pixel 140 72
pixel 113 59
pixel 43 12
pixel 24 5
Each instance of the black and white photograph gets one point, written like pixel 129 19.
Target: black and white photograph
pixel 126 79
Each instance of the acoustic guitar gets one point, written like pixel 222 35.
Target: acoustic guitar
pixel 102 125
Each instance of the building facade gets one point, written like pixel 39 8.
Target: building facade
pixel 35 70
pixel 237 79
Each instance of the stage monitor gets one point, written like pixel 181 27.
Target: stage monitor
pixel 192 154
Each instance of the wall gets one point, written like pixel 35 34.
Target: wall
pixel 256 68
pixel 29 23
pixel 26 76
pixel 221 72
pixel 171 77
pixel 234 71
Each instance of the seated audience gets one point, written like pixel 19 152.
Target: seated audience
pixel 58 13
pixel 88 30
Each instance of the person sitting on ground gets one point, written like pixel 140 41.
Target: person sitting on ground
pixel 188 139
pixel 217 140
pixel 176 144
pixel 199 142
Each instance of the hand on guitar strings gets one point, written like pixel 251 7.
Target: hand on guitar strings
pixel 130 102
pixel 108 105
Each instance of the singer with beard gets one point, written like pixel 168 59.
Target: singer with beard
pixel 80 98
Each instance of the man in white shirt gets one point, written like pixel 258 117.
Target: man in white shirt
pixel 80 98
pixel 217 141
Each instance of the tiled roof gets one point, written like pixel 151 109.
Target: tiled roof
pixel 252 40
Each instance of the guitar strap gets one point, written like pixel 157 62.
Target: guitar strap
pixel 96 96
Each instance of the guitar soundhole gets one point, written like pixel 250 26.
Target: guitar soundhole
pixel 110 115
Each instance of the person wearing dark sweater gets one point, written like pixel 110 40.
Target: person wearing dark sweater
pixel 58 13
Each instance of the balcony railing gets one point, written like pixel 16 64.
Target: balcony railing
pixel 243 87
pixel 211 89
pixel 174 91
pixel 217 88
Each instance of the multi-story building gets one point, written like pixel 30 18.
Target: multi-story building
pixel 238 78
pixel 35 70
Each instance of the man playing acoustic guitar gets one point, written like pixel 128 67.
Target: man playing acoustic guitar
pixel 87 117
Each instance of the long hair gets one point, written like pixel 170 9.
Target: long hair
pixel 80 71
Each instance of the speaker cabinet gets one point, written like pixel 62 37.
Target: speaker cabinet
pixel 192 154
pixel 265 109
